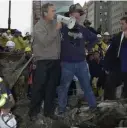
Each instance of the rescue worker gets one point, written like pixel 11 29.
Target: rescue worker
pixel 9 36
pixel 27 38
pixel 106 38
pixel 6 98
pixel 3 39
pixel 3 94
pixel 20 44
pixel 10 46
pixel 101 47
pixel 7 119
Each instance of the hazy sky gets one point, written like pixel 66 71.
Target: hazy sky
pixel 21 14
pixel 80 1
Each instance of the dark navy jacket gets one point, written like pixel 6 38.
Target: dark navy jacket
pixel 73 43
pixel 111 61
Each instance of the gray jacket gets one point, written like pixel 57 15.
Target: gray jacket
pixel 46 43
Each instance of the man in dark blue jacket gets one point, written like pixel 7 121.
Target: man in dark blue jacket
pixel 73 60
pixel 116 63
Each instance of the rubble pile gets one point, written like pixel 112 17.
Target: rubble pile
pixel 109 115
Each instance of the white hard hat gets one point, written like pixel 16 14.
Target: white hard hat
pixel 8 121
pixel 10 44
pixel 4 34
pixel 99 36
pixel 106 34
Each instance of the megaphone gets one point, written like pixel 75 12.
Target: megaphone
pixel 69 21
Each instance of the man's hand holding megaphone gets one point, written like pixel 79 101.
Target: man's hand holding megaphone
pixel 58 25
pixel 69 21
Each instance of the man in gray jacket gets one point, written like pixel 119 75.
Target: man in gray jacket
pixel 46 50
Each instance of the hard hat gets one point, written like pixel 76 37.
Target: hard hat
pixel 76 8
pixel 27 49
pixel 27 34
pixel 1 80
pixel 8 31
pixel 8 121
pixel 99 36
pixel 106 34
pixel 10 44
pixel 4 34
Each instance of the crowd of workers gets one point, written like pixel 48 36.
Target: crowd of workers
pixel 60 54
pixel 11 42
pixel 14 41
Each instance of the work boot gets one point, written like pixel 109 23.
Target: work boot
pixel 59 113
pixel 52 116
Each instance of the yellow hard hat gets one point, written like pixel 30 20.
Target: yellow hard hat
pixel 27 49
pixel 8 31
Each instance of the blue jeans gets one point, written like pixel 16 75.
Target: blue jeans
pixel 80 70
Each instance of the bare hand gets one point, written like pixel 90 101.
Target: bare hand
pixel 58 26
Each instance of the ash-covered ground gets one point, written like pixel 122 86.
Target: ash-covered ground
pixel 110 114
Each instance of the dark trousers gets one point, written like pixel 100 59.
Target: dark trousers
pixel 114 80
pixel 72 89
pixel 46 79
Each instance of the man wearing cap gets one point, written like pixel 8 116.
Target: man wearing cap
pixel 106 38
pixel 73 60
pixel 100 46
pixel 20 44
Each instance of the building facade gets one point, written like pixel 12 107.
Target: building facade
pixel 106 14
pixel 118 9
pixel 101 15
pixel 85 8
pixel 91 12
pixel 98 14
pixel 36 8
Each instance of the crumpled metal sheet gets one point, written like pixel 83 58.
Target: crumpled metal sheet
pixel 11 70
